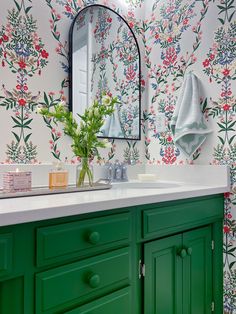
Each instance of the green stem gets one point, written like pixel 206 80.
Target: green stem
pixel 85 171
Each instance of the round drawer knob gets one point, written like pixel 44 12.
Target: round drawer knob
pixel 94 237
pixel 182 253
pixel 94 280
pixel 189 251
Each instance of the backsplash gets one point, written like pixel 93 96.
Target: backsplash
pixel 175 36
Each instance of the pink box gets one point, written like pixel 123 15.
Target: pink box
pixel 17 181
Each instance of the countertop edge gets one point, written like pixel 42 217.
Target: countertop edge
pixel 53 212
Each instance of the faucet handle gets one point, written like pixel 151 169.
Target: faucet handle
pixel 118 172
pixel 124 173
pixel 109 171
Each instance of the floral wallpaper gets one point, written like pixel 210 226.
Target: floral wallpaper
pixel 175 36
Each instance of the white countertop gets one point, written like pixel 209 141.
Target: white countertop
pixel 35 208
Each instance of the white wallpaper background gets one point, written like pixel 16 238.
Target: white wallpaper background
pixel 175 36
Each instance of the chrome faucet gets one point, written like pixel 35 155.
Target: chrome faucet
pixel 116 172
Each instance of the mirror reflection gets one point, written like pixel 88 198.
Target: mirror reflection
pixel 105 57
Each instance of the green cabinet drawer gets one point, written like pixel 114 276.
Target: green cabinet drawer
pixel 6 253
pixel 115 303
pixel 60 242
pixel 166 218
pixel 65 286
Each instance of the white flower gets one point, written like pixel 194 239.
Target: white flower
pixel 106 100
pixel 96 112
pixel 90 112
pixel 39 109
pixel 62 104
pixel 107 144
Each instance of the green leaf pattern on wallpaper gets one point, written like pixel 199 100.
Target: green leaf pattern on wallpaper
pixel 175 36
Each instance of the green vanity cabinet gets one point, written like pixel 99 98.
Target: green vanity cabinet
pixel 178 277
pixel 162 258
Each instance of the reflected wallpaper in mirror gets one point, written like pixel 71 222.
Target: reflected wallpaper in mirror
pixel 105 57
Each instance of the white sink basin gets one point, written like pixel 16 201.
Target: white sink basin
pixel 144 185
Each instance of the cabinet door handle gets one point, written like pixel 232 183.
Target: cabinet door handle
pixel 94 237
pixel 189 251
pixel 94 280
pixel 182 253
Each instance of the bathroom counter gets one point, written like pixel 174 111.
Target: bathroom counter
pixel 35 208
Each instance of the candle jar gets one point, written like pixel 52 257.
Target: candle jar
pixel 17 181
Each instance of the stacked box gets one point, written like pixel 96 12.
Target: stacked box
pixel 17 181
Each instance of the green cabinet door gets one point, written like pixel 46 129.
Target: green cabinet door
pixel 197 271
pixel 178 274
pixel 163 276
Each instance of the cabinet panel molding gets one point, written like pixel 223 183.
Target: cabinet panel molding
pixel 6 253
pixel 63 241
pixel 63 286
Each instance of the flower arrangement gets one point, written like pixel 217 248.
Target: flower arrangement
pixel 85 142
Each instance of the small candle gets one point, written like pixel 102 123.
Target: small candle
pixel 17 181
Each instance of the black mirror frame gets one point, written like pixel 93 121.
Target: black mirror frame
pixel 71 65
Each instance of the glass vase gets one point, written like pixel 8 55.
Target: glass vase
pixel 84 173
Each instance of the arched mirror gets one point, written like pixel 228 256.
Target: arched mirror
pixel 104 56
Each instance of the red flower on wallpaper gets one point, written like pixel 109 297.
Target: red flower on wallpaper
pixel 226 107
pixel 143 83
pixel 44 54
pixel 131 24
pixel 5 38
pixel 68 8
pixel 170 57
pixel 206 63
pixel 130 73
pixel 22 102
pixel 212 56
pixel 226 229
pixel 22 64
pixel 226 72
pixel 38 47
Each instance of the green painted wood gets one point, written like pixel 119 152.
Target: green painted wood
pixel 12 296
pixel 18 290
pixel 6 253
pixel 118 302
pixel 217 290
pixel 164 219
pixel 197 271
pixel 163 276
pixel 63 286
pixel 60 242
